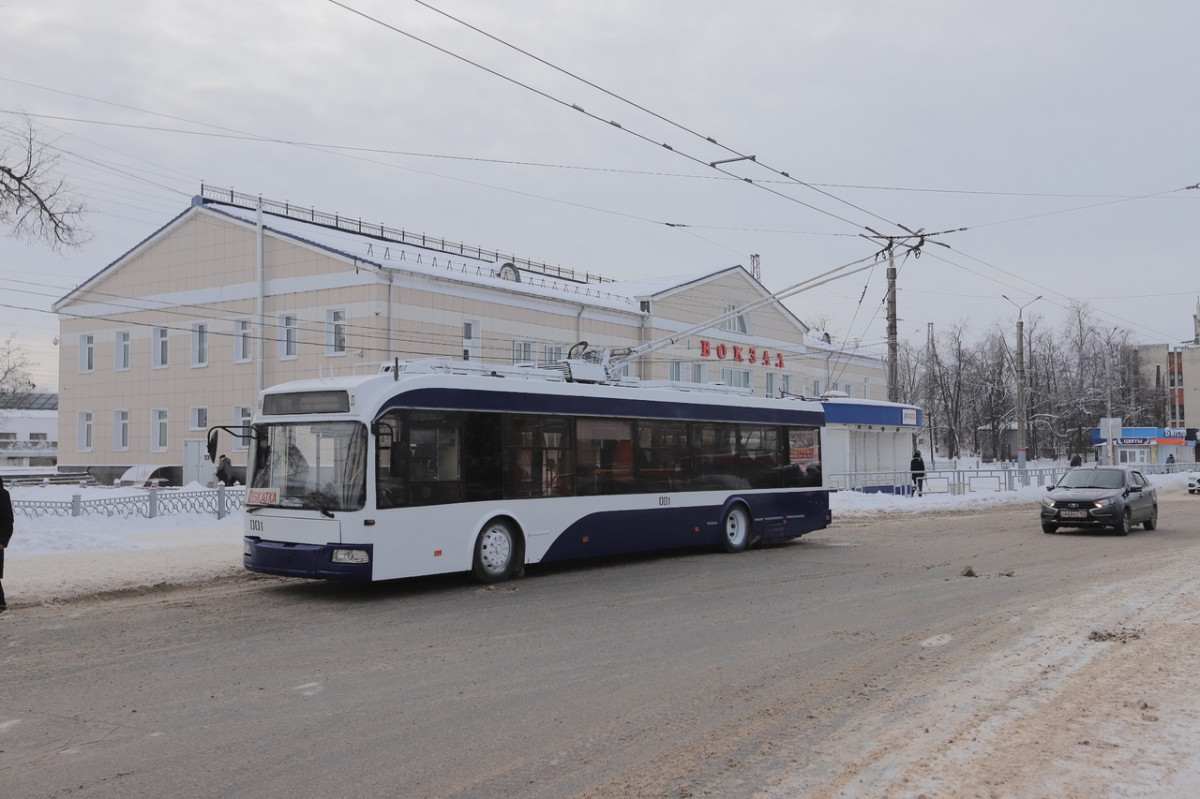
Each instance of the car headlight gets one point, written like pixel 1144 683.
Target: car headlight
pixel 1104 503
pixel 1047 502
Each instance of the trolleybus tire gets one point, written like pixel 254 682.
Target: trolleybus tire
pixel 735 528
pixel 495 552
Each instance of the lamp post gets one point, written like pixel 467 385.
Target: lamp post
pixel 1021 378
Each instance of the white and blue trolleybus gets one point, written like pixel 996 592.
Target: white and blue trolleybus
pixel 431 467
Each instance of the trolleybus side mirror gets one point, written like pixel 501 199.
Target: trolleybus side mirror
pixel 212 445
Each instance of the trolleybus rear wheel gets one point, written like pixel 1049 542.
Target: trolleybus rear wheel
pixel 736 529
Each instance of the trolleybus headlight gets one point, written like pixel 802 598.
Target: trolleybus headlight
pixel 351 556
pixel 247 549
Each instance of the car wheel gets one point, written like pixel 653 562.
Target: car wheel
pixel 1126 524
pixel 1152 522
pixel 1049 528
pixel 495 552
pixel 737 529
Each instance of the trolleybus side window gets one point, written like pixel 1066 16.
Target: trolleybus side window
pixel 391 461
pixel 605 464
pixel 482 464
pixel 804 453
pixel 662 448
pixel 538 456
pixel 434 441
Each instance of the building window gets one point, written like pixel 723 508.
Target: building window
pixel 87 353
pixel 737 323
pixel 161 353
pixel 242 414
pixel 158 430
pixel 124 357
pixel 554 353
pixel 199 418
pixel 335 331
pixel 289 336
pixel 524 352
pixel 243 341
pixel 786 384
pixel 736 377
pixel 200 344
pixel 120 430
pixel 699 373
pixel 675 371
pixel 85 431
pixel 472 340
pixel 771 389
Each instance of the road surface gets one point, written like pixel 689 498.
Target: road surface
pixel 953 655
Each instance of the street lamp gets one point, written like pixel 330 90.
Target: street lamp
pixel 1021 378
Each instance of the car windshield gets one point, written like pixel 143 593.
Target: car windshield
pixel 1093 478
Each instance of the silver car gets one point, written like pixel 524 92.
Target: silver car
pixel 1115 497
pixel 1194 483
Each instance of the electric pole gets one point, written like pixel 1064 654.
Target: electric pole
pixel 892 342
pixel 930 376
pixel 912 244
pixel 1021 379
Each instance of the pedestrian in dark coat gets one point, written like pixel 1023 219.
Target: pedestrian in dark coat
pixel 6 531
pixel 225 470
pixel 917 465
pixel 1076 460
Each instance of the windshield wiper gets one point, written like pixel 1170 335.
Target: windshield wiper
pixel 320 501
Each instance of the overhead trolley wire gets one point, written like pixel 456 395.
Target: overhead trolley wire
pixel 716 165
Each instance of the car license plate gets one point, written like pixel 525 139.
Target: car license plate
pixel 1073 514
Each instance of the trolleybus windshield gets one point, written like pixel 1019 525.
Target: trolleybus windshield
pixel 321 466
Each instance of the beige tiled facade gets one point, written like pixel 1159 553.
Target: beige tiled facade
pixel 168 340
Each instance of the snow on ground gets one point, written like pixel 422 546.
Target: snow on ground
pixel 55 557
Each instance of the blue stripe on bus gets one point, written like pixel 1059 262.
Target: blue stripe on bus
pixel 568 405
pixel 777 516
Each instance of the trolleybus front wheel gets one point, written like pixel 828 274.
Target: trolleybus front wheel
pixel 495 552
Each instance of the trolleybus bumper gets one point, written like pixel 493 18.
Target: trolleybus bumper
pixel 318 561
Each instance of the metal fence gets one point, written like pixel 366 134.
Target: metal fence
pixel 154 502
pixel 970 481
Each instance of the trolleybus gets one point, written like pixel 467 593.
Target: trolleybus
pixel 434 467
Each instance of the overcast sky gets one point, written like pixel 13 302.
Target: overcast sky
pixel 1061 135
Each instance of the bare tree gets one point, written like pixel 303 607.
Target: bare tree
pixel 35 204
pixel 15 370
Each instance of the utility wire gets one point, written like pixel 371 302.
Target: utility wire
pixel 547 96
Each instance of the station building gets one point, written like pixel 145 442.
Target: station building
pixel 237 293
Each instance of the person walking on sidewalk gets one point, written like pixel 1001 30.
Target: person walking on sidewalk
pixel 6 531
pixel 917 465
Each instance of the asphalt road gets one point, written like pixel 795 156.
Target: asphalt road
pixel 691 674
